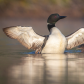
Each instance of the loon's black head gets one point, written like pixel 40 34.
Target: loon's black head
pixel 52 19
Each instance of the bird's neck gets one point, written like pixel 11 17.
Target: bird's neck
pixel 50 26
pixel 54 30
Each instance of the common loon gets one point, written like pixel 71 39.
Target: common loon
pixel 55 42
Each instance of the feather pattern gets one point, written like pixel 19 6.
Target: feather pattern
pixel 26 36
pixel 75 39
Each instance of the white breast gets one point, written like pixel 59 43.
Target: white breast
pixel 56 42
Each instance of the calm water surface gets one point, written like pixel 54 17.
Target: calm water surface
pixel 18 66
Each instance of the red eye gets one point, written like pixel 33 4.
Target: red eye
pixel 55 16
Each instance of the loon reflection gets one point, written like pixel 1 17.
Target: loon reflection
pixel 49 68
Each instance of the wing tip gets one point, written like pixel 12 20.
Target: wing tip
pixel 5 30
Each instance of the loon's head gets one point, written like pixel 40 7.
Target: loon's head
pixel 53 18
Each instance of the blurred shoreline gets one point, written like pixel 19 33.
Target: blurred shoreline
pixel 41 8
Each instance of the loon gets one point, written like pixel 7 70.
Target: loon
pixel 55 42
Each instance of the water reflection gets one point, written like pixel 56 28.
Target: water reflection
pixel 76 68
pixel 55 68
pixel 48 69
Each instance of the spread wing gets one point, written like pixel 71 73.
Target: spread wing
pixel 26 36
pixel 75 39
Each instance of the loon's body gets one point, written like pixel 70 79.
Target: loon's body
pixel 55 42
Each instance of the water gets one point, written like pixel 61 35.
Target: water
pixel 19 65
pixel 42 69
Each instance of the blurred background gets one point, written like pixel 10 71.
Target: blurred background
pixel 41 8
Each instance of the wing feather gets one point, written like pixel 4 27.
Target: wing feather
pixel 26 36
pixel 75 39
